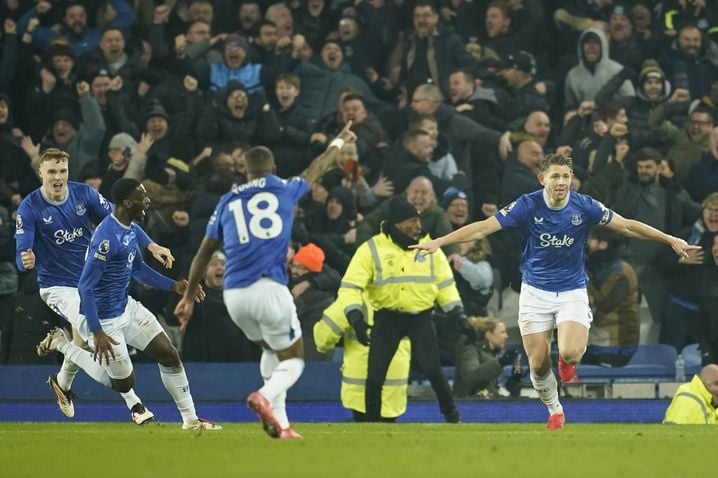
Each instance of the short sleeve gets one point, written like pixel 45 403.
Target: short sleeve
pixel 297 187
pixel 512 215
pixel 598 213
pixel 98 204
pixel 214 226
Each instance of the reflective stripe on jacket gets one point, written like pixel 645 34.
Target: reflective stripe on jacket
pixel 334 326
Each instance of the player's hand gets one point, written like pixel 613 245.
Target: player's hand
pixel 103 347
pixel 695 257
pixel 682 248
pixel 162 254
pixel 28 259
pixel 180 288
pixel 425 248
pixel 183 311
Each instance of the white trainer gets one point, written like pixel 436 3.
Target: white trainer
pixel 200 424
pixel 64 397
pixel 140 415
pixel 51 341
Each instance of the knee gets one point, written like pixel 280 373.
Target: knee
pixel 572 354
pixel 123 385
pixel 169 358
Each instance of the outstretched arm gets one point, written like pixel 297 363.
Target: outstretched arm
pixel 470 232
pixel 185 306
pixel 638 230
pixel 321 163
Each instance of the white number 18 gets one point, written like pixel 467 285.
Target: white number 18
pixel 257 214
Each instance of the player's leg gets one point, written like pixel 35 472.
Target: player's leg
pixel 266 314
pixel 536 323
pixel 573 320
pixel 65 301
pixel 145 333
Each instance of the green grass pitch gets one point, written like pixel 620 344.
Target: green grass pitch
pixel 108 450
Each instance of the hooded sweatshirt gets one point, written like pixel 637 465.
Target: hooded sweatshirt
pixel 585 80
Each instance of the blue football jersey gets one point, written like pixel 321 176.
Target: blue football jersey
pixel 553 240
pixel 254 221
pixel 58 232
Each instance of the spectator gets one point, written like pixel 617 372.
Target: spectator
pixel 703 176
pixel 526 94
pixel 593 71
pixel 690 62
pixel 456 204
pixel 292 151
pixel 685 321
pixel 8 283
pixel 211 336
pixel 483 105
pixel 420 193
pixel 667 209
pixel 696 402
pixel 231 117
pixel 334 231
pixel 613 295
pixel 80 138
pixel 685 145
pixel 74 25
pixel 324 78
pixel 436 51
pixel 313 287
pixel 479 362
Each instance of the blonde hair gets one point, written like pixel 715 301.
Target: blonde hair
pixel 54 154
pixel 483 324
pixel 710 200
pixel 556 160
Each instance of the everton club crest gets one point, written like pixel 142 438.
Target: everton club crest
pixel 80 209
pixel 576 219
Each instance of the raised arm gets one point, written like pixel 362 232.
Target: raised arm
pixel 638 230
pixel 470 232
pixel 321 163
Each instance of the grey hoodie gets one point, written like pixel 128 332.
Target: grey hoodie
pixel 583 83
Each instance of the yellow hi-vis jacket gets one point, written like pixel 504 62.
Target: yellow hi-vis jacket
pixel 692 405
pixel 393 280
pixel 334 326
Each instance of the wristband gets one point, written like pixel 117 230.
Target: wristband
pixel 338 142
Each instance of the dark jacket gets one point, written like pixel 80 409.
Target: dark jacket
pixel 476 368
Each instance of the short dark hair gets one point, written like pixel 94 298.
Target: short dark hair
pixel 609 109
pixel 556 160
pixel 412 135
pixel 703 108
pixel 352 97
pixel 649 154
pixel 122 189
pixel 260 161
pixel 417 119
pixel 425 3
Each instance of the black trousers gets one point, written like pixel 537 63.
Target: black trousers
pixel 389 328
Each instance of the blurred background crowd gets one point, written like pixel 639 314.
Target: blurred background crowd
pixel 454 103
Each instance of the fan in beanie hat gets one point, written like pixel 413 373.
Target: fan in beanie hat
pixel 311 257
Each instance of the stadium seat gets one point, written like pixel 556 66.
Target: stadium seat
pixel 692 356
pixel 651 361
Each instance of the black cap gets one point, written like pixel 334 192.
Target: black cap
pixel 521 60
pixel 400 210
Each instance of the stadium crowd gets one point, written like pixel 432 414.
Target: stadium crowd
pixel 454 104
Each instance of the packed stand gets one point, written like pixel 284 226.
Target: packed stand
pixel 454 105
